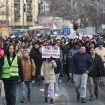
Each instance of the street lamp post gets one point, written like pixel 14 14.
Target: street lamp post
pixel 96 17
pixel 95 5
pixel 6 12
pixel 23 13
pixel 24 10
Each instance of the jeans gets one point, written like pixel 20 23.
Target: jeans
pixel 49 88
pixel 56 84
pixel 10 91
pixel 80 83
pixel 26 89
pixel 93 85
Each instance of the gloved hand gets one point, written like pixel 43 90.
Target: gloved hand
pixel 42 77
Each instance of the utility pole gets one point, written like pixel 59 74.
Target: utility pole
pixel 7 12
pixel 96 3
pixel 24 10
pixel 23 13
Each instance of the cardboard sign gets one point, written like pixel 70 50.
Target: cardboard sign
pixel 50 51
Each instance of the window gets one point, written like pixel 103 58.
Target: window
pixel 17 10
pixel 29 7
pixel 29 1
pixel 16 1
pixel 17 19
pixel 29 18
pixel 16 7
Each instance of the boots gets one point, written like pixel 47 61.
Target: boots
pixel 91 98
pixel 78 98
pixel 51 101
pixel 28 98
pixel 23 100
pixel 46 100
pixel 83 100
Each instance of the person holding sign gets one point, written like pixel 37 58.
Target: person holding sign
pixel 48 74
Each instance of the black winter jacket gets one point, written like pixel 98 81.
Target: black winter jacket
pixel 98 69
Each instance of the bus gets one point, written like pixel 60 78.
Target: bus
pixel 39 30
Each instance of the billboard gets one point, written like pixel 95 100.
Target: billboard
pixel 4 28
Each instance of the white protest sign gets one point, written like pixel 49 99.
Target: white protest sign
pixel 50 51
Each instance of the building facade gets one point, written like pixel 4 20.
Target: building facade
pixel 22 13
pixel 2 9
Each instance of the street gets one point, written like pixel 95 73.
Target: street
pixel 67 97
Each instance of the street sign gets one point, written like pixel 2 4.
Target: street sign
pixel 66 31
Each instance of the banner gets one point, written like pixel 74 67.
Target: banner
pixel 4 28
pixel 50 51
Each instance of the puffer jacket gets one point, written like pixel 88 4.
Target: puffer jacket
pixel 47 70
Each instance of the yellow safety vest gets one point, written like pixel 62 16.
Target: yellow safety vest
pixel 10 71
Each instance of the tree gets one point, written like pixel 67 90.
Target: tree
pixel 63 6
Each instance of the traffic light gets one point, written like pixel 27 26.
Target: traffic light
pixel 75 26
pixel 24 7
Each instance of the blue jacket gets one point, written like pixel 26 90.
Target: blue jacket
pixel 80 63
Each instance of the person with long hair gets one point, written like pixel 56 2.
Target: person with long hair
pixel 11 73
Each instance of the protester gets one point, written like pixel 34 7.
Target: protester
pixel 36 56
pixel 73 59
pixel 47 71
pixel 57 74
pixel 1 50
pixel 29 75
pixel 11 73
pixel 100 50
pixel 94 75
pixel 80 67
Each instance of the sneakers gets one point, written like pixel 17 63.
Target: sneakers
pixel 23 100
pixel 91 98
pixel 96 96
pixel 51 101
pixel 83 100
pixel 29 98
pixel 78 98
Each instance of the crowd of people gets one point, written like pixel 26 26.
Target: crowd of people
pixel 81 60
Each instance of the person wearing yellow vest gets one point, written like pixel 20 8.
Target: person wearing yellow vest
pixel 11 73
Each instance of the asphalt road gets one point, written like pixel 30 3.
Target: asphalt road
pixel 67 96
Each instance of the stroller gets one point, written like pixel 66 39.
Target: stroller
pixel 2 94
